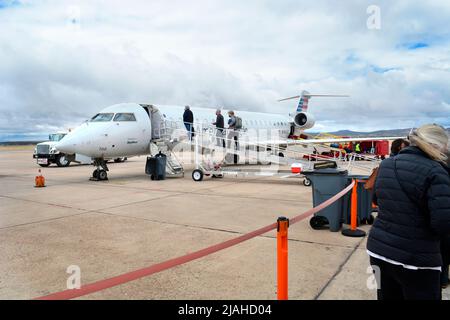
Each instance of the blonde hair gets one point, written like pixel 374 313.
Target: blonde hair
pixel 431 139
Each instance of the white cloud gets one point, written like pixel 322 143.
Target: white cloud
pixel 60 63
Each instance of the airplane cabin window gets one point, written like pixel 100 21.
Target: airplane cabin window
pixel 102 117
pixel 124 117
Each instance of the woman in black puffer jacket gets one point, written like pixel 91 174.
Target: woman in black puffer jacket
pixel 445 246
pixel 412 191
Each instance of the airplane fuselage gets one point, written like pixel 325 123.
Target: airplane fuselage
pixel 126 130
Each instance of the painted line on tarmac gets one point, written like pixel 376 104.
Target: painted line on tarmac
pixel 85 211
pixel 42 221
pixel 45 203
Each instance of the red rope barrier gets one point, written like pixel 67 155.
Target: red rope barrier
pixel 134 275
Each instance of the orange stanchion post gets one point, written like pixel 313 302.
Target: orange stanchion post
pixel 353 231
pixel 282 257
pixel 39 181
pixel 354 207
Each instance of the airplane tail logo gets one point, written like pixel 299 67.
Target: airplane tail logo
pixel 303 102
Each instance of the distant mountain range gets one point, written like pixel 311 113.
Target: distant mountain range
pixel 342 133
pixel 18 143
pixel 379 133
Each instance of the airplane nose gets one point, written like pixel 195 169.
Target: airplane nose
pixel 66 146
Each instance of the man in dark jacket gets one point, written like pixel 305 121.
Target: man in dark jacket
pixel 220 125
pixel 397 145
pixel 413 195
pixel 188 119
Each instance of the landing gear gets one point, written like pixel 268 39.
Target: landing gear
pixel 100 174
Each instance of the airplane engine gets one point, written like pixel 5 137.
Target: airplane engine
pixel 304 120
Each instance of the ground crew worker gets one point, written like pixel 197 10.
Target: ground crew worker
pixel 412 191
pixel 219 128
pixel 188 119
pixel 348 148
pixel 358 148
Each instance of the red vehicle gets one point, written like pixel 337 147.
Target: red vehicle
pixel 380 148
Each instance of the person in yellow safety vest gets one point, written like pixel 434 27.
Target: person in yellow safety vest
pixel 358 148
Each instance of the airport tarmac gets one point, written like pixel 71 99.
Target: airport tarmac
pixel 130 222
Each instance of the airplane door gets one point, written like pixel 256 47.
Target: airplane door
pixel 131 133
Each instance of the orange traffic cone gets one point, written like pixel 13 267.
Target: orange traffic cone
pixel 39 180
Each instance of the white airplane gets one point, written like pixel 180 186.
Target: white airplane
pixel 127 129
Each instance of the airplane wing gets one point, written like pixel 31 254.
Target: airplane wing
pixel 337 140
pixel 291 142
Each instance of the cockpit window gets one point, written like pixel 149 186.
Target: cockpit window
pixel 102 117
pixel 56 136
pixel 124 117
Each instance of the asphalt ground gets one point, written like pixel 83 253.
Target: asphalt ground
pixel 130 222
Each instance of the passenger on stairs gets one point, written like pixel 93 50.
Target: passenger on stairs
pixel 233 134
pixel 219 128
pixel 188 119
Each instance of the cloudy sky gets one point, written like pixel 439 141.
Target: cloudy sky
pixel 62 61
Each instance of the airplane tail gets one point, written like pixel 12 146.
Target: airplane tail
pixel 303 102
pixel 304 99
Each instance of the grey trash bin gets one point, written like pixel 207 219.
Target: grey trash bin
pixel 364 202
pixel 325 184
pixel 156 166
